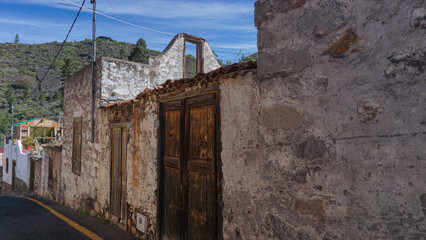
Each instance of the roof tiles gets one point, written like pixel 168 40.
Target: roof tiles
pixel 170 86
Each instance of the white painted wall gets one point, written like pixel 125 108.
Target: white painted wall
pixel 14 152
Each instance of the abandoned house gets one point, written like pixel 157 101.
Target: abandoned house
pixel 322 138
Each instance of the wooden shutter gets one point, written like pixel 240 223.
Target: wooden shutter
pixel 201 168
pixel 76 152
pixel 172 171
pixel 116 169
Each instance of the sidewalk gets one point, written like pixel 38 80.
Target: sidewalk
pixel 104 230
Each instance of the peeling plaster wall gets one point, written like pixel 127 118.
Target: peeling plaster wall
pixel 328 142
pixel 141 163
pixel 122 80
pixel 81 191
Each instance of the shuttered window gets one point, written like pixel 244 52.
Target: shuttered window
pixel 76 146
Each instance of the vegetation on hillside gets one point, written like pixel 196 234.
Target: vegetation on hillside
pixel 23 66
pixel 25 84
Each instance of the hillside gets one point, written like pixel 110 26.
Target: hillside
pixel 22 66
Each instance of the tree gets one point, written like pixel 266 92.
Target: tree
pixel 10 96
pixel 69 67
pixel 139 52
pixel 42 97
pixel 16 38
pixel 27 93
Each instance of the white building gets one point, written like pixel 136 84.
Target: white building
pixel 16 168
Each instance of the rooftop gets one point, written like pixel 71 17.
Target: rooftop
pixel 175 85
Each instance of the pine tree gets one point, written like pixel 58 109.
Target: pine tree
pixel 139 52
pixel 16 38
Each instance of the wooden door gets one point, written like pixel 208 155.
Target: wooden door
pixel 189 200
pixel 200 168
pixel 118 164
pixel 172 165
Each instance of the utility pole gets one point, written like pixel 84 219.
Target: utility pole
pixel 93 71
pixel 11 127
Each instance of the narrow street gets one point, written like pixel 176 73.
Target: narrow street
pixel 22 218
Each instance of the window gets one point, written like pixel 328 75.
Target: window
pixel 193 56
pixel 50 177
pixel 7 165
pixel 76 146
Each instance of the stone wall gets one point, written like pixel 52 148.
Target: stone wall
pixel 80 191
pixel 43 188
pixel 327 142
pixel 123 80
pixel 141 163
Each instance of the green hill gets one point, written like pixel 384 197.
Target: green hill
pixel 22 66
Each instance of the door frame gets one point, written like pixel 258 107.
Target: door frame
pixel 123 223
pixel 215 89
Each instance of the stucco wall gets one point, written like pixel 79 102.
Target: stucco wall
pixel 14 153
pixel 328 142
pixel 141 162
pixel 80 191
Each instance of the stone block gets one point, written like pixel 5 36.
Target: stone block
pixel 285 62
pixel 281 116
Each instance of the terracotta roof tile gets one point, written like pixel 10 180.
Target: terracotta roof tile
pixel 204 78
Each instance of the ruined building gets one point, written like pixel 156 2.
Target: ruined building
pixel 321 139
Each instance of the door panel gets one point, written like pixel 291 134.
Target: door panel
pixel 116 172
pixel 189 175
pixel 172 173
pixel 201 173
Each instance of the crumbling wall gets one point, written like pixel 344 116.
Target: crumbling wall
pixel 328 142
pixel 122 80
pixel 43 188
pixel 80 191
pixel 141 163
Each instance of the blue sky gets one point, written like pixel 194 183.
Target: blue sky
pixel 228 25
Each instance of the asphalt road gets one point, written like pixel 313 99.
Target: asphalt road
pixel 23 219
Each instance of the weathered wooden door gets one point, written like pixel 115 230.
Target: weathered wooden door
pixel 32 176
pixel 118 170
pixel 189 162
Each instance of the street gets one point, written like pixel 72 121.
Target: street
pixel 21 218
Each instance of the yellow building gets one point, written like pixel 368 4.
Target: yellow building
pixel 39 128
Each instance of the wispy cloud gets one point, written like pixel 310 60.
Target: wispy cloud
pixel 32 23
pixel 165 9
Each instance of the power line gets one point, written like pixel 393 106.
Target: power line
pixel 63 43
pixel 122 21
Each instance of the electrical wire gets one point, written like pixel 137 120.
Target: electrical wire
pixel 122 21
pixel 63 43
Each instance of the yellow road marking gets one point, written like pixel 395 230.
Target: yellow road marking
pixel 73 224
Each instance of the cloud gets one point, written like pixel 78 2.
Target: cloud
pixel 32 23
pixel 163 9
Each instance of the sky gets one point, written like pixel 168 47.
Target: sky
pixel 228 25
